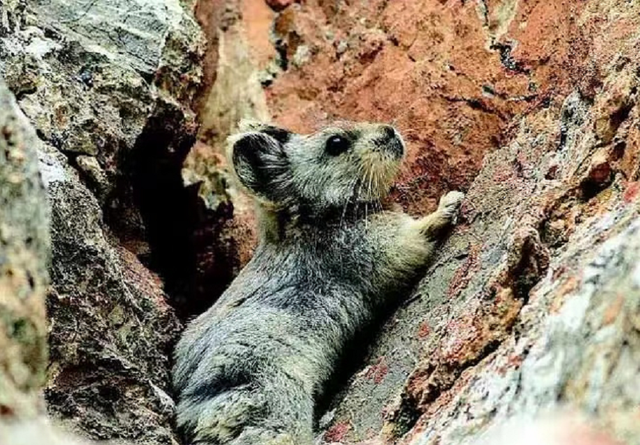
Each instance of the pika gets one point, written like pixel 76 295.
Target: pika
pixel 330 262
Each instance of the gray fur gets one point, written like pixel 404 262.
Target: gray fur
pixel 330 263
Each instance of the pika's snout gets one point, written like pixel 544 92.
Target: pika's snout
pixel 391 141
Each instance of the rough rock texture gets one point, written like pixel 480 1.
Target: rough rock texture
pixel 40 432
pixel 531 108
pixel 112 329
pixel 532 301
pixel 24 254
pixel 108 87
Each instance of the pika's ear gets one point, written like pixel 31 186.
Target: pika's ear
pixel 260 164
pixel 280 134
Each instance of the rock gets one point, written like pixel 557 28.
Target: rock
pixel 424 65
pixel 90 166
pixel 37 432
pixel 108 87
pixel 531 306
pixel 24 254
pixel 526 308
pixel 224 229
pixel 112 327
pixel 557 430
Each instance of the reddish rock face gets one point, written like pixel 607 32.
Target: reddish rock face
pixel 451 75
pixel 427 66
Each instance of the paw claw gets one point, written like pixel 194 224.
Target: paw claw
pixel 451 200
pixel 450 204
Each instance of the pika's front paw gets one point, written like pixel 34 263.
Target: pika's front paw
pixel 450 204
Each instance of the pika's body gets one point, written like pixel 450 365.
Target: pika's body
pixel 329 263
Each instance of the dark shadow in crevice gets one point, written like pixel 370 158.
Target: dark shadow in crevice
pixel 181 234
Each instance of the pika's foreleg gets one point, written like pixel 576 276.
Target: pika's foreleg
pixel 416 239
pixel 433 225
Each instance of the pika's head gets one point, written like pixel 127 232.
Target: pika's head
pixel 340 165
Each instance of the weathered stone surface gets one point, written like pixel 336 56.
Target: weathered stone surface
pixel 108 87
pixel 530 107
pixel 24 254
pixel 111 326
pixel 38 432
pixel 93 74
pixel 224 230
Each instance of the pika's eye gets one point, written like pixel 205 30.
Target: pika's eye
pixel 337 145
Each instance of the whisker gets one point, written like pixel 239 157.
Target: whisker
pixel 366 216
pixel 370 190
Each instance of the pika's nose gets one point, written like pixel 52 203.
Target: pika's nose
pixel 388 131
pixel 392 141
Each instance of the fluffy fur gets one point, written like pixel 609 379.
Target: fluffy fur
pixel 330 263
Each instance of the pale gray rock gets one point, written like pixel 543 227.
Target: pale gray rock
pixel 24 256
